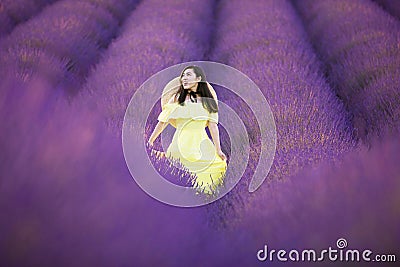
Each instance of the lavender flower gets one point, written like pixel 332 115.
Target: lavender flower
pixel 358 42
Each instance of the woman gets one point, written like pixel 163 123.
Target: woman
pixel 192 108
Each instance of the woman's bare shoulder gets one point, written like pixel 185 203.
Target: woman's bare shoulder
pixel 173 99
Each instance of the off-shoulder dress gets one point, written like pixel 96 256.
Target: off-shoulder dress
pixel 191 145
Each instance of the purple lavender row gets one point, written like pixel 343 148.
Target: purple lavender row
pixel 55 49
pixel 312 124
pixel 359 43
pixel 154 37
pixel 118 9
pixel 13 12
pixel 62 42
pixel 265 41
pixel 391 6
pixel 36 58
pixel 356 200
pixel 67 198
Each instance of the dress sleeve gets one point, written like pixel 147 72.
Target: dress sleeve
pixel 213 117
pixel 166 112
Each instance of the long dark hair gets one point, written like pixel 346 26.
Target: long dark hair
pixel 208 101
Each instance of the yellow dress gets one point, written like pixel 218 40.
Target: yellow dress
pixel 192 146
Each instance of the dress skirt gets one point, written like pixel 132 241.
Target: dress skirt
pixel 191 145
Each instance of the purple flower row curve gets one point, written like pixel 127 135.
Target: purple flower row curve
pixel 62 42
pixel 312 123
pixel 153 38
pixel 13 12
pixel 356 200
pixel 359 44
pixel 265 40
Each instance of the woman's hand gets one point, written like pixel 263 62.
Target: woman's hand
pixel 156 132
pixel 221 155
pixel 150 144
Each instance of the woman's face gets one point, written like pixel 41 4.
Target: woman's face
pixel 189 79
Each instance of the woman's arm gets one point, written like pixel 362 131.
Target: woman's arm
pixel 215 137
pixel 157 131
pixel 160 125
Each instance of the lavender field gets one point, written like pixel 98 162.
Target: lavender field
pixel 329 70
